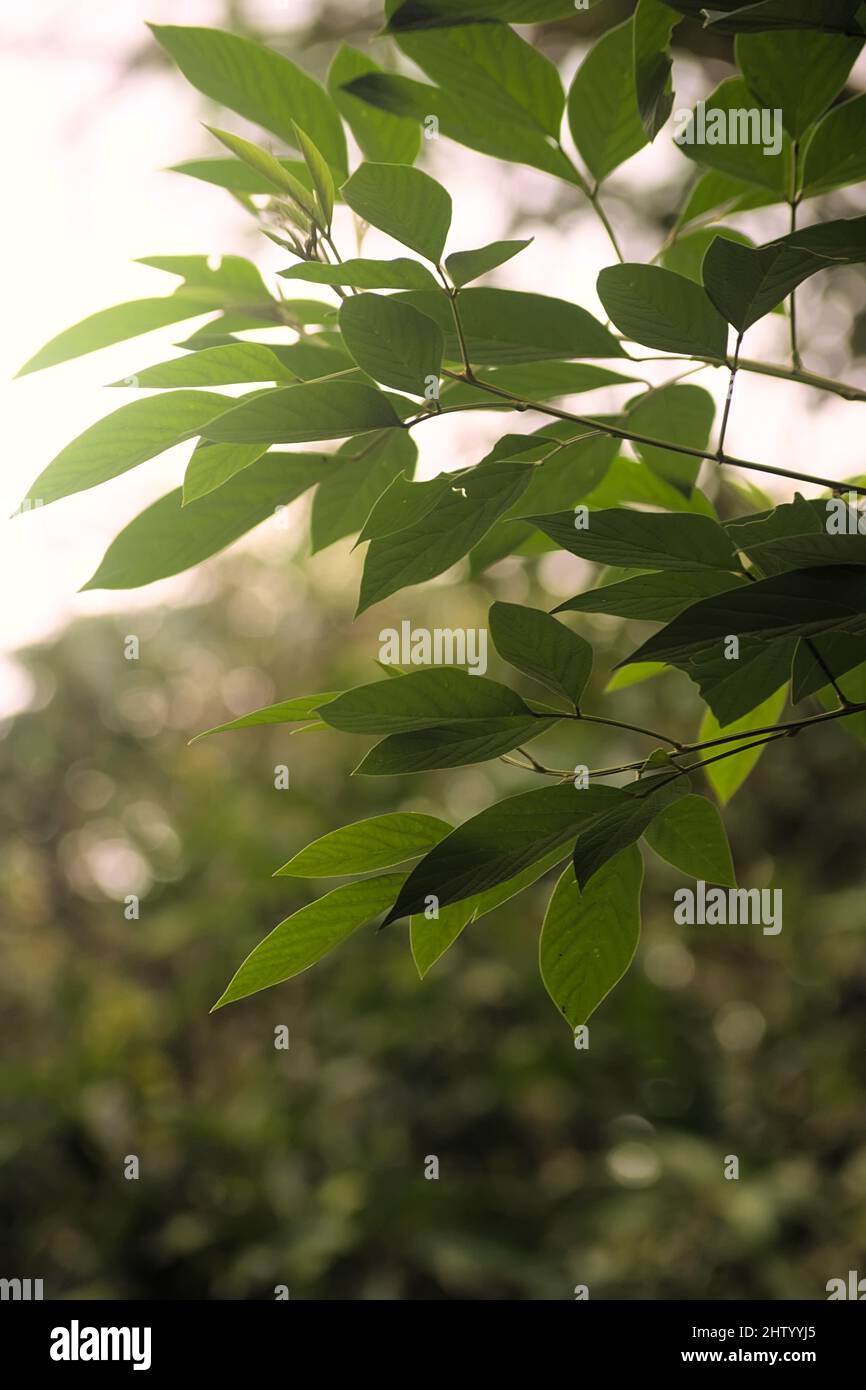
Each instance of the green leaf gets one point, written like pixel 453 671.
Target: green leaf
pixel 627 480
pixel 320 175
pixel 840 652
pixel 535 381
pixel 168 537
pixel 312 410
pixel 686 254
pixel 236 175
pixel 410 206
pixel 114 325
pixel 489 66
pixel 603 113
pixel 464 266
pixel 280 178
pixel 690 835
pixel 455 744
pixel 796 603
pixel 422 700
pixel 589 938
pixel 624 823
pixel 654 24
pixel 302 939
pixel 652 597
pixel 634 675
pixel 747 282
pixel 714 191
pixel 642 540
pixel 836 153
pixel 802 552
pixel 376 843
pixel 731 110
pixel 363 470
pixel 728 775
pixel 211 465
pixel 381 137
pixel 772 64
pixel 402 273
pixel 662 310
pixel 543 648
pixel 456 522
pixel 302 708
pixel 257 83
pixel 392 342
pixel 230 365
pixel 835 16
pixel 501 842
pixel 431 14
pixel 404 503
pixel 503 327
pixel 682 414
pixel 128 436
pixel 219 283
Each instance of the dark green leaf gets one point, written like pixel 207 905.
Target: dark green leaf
pixel 452 744
pixel 364 468
pixel 624 823
pixel 652 597
pixel 654 23
pixel 433 14
pixel 392 342
pixel 541 647
pixel 834 16
pixel 836 153
pixel 422 700
pixel 773 65
pixel 732 133
pixel 642 540
pixel 589 938
pixel 662 310
pixel 501 842
pixel 682 414
pixel 168 537
pixel 448 531
pixel 839 652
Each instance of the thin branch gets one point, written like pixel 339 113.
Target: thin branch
pixel 793 202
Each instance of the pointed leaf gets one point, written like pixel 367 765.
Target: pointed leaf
pixel 310 411
pixel 603 113
pixel 376 843
pixel 690 835
pixel 541 647
pixel 464 266
pixel 400 200
pixel 662 310
pixel 392 342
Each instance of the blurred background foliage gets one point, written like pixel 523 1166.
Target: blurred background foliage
pixel 305 1167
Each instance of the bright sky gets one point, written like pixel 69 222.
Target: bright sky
pixel 85 146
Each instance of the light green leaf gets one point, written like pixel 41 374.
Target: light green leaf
pixel 400 200
pixel 211 465
pixel 503 327
pixel 430 937
pixel 402 273
pixel 464 266
pixel 376 843
pixel 312 410
pixel 404 503
pixel 230 365
pixel 364 468
pixel 589 938
pixel 257 83
pixel 128 436
pixel 320 175
pixel 772 64
pixel 392 342
pixel 603 113
pixel 422 700
pixel 236 175
pixel 302 939
pixel 381 137
pixel 634 675
pixel 541 647
pixel 728 775
pixel 168 537
pixel 690 835
pixel 114 325
pixel 662 310
pixel 280 178
pixel 302 708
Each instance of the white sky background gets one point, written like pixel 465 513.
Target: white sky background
pixel 84 148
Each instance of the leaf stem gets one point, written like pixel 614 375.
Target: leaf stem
pixel 793 202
